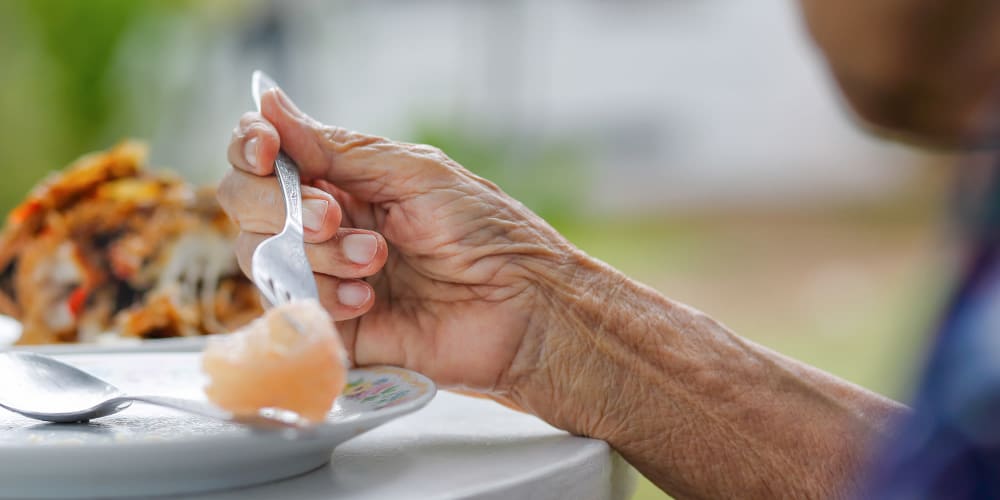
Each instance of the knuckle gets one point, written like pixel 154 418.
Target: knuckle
pixel 433 155
pixel 433 160
pixel 343 139
pixel 224 191
pixel 333 133
pixel 248 119
pixel 269 199
pixel 428 152
pixel 333 138
pixel 259 128
pixel 255 222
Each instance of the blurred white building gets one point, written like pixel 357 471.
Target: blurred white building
pixel 681 102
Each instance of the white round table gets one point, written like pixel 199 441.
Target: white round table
pixel 459 447
pixel 455 447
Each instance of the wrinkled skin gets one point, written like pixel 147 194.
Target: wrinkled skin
pixel 466 285
pixel 461 282
pixel 454 289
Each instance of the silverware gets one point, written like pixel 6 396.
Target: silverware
pixel 279 266
pixel 44 388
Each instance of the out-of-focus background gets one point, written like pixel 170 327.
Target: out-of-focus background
pixel 698 146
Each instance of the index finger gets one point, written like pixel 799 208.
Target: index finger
pixel 253 145
pixel 371 168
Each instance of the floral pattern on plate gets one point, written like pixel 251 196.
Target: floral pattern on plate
pixel 383 387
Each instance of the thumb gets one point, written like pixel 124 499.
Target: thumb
pixel 372 168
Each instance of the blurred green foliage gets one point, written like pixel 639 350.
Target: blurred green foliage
pixel 80 40
pixel 60 90
pixel 548 176
pixel 871 333
pixel 64 93
pixel 80 75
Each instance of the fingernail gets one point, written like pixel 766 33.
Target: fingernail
pixel 353 294
pixel 313 213
pixel 250 152
pixel 360 248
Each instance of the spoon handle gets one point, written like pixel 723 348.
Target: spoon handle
pixel 201 408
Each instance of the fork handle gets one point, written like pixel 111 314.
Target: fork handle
pixel 291 188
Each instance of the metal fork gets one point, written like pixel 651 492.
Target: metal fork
pixel 279 266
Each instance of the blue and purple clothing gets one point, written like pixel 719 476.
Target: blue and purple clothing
pixel 949 448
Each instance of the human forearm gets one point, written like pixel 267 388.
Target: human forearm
pixel 697 409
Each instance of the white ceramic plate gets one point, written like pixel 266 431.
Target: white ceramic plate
pixel 146 450
pixel 10 331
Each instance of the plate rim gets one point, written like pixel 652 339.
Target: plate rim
pixel 124 346
pixel 11 329
pixel 318 434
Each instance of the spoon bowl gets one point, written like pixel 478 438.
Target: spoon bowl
pixel 44 388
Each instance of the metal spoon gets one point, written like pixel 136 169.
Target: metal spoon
pixel 44 388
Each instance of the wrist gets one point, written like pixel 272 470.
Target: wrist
pixel 571 363
pixel 673 390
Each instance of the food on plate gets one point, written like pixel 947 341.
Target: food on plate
pixel 108 246
pixel 291 358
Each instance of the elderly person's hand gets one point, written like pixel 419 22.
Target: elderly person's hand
pixel 453 265
pixel 471 288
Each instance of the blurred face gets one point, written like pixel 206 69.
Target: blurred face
pixel 926 69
